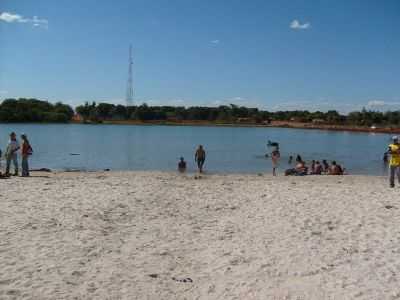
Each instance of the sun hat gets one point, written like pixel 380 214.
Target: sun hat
pixel 395 137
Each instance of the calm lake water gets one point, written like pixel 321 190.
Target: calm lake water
pixel 125 147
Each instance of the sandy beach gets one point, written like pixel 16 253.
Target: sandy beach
pixel 153 235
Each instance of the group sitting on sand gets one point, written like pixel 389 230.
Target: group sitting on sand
pixel 316 168
pixel 11 155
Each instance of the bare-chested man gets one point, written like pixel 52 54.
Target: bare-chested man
pixel 200 157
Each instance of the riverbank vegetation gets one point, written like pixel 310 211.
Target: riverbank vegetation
pixel 34 110
pixel 232 114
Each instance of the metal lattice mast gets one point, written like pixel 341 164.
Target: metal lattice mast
pixel 129 87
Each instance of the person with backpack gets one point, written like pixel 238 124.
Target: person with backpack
pixel 11 154
pixel 26 150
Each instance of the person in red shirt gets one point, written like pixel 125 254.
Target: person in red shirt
pixel 26 150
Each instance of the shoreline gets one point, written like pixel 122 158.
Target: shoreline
pixel 273 124
pixel 267 174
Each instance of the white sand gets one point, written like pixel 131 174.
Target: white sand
pixel 101 236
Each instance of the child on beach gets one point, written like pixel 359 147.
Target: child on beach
pixel 182 165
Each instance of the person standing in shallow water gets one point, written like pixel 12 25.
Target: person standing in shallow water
pixel 394 163
pixel 200 157
pixel 275 155
pixel 26 150
pixel 11 154
pixel 182 165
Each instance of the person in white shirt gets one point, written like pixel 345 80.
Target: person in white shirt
pixel 11 154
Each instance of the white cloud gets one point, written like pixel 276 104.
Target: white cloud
pixel 320 104
pixel 376 103
pixel 215 42
pixel 7 17
pixel 296 25
pixel 239 101
pixel 15 18
pixel 380 104
pixel 176 102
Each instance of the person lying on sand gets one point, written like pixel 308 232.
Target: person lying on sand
pixel 182 165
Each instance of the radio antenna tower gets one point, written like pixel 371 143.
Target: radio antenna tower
pixel 129 87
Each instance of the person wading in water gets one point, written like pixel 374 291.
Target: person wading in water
pixel 200 157
pixel 275 155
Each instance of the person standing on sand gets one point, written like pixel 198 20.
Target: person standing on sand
pixel 26 150
pixel 394 163
pixel 200 157
pixel 275 155
pixel 11 154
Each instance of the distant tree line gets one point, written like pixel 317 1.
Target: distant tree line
pixel 232 114
pixel 34 110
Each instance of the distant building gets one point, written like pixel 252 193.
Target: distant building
pixel 77 118
pixel 295 119
pixel 318 121
pixel 244 120
pixel 267 122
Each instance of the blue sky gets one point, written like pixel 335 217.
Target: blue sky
pixel 271 54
